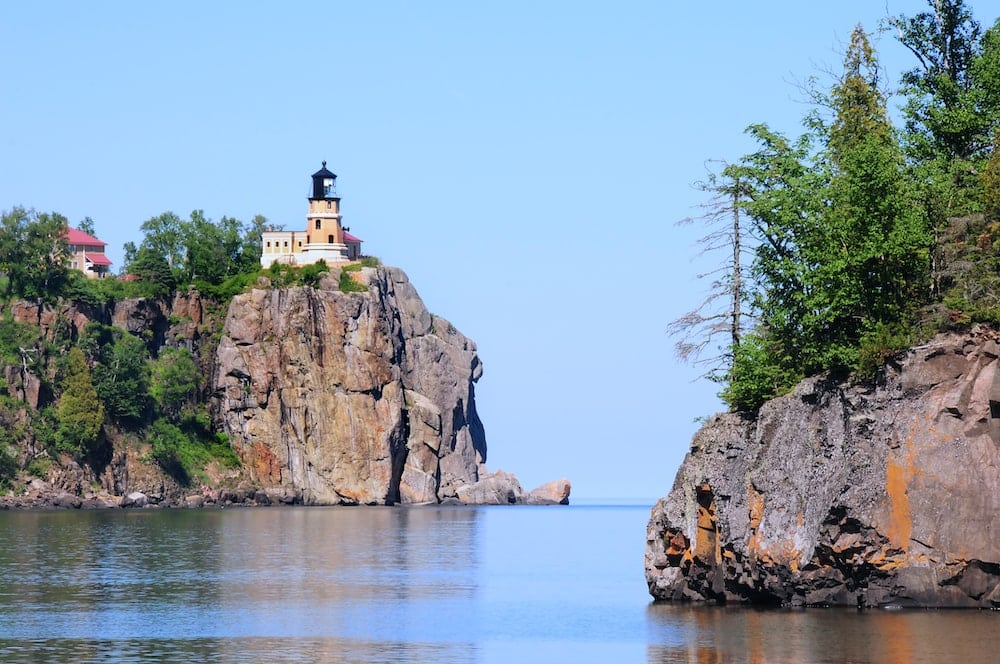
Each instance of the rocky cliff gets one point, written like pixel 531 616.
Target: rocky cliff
pixel 839 494
pixel 328 397
pixel 350 397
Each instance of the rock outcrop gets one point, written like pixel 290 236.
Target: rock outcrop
pixel 328 397
pixel 840 494
pixel 350 397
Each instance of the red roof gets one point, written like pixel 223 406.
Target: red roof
pixel 350 238
pixel 98 259
pixel 74 236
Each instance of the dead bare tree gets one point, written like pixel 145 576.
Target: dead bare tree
pixel 709 334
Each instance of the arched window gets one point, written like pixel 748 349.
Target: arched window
pixel 318 222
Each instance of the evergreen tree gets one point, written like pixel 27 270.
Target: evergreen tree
pixel 79 412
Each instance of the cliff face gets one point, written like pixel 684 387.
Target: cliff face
pixel 328 397
pixel 840 494
pixel 350 397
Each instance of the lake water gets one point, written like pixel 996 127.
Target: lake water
pixel 402 584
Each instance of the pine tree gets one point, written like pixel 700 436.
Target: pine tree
pixel 80 412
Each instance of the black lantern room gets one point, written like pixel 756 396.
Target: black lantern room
pixel 324 184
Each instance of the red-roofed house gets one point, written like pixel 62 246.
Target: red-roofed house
pixel 86 254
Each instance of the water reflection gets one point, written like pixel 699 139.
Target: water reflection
pixel 710 635
pixel 427 584
pixel 224 582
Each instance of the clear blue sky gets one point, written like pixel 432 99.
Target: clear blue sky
pixel 524 162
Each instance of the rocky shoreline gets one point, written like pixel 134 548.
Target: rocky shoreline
pixel 498 488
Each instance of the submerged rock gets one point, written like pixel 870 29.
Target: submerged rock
pixel 840 494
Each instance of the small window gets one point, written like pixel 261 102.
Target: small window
pixel 329 239
pixel 268 244
pixel 329 204
pixel 286 243
pixel 300 243
pixel 318 222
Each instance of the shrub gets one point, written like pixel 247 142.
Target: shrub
pixel 877 346
pixel 8 457
pixel 757 375
pixel 309 275
pixel 183 450
pixel 349 285
pixel 39 467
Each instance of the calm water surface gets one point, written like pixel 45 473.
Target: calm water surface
pixel 419 584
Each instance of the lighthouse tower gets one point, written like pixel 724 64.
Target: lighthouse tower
pixel 324 233
pixel 324 237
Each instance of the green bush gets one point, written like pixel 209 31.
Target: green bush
pixel 309 275
pixel 349 285
pixel 39 467
pixel 228 289
pixel 183 450
pixel 877 346
pixel 8 457
pixel 170 449
pixel 121 375
pixel 757 375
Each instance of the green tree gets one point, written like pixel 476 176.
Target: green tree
pixel 164 236
pixel 943 110
pixel 842 253
pixel 13 226
pixel 80 413
pixel 250 249
pixel 204 250
pixel 153 271
pixel 875 244
pixel 33 253
pixel 121 377
pixel 174 382
pixel 87 226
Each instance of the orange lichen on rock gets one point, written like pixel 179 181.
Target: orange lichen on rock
pixel 706 546
pixel 900 520
pixel 264 464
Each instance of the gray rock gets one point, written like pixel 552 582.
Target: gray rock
pixel 194 501
pixel 555 492
pixel 135 499
pixel 67 501
pixel 499 488
pixel 839 493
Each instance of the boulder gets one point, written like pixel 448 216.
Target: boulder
pixel 499 488
pixel 555 492
pixel 135 499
